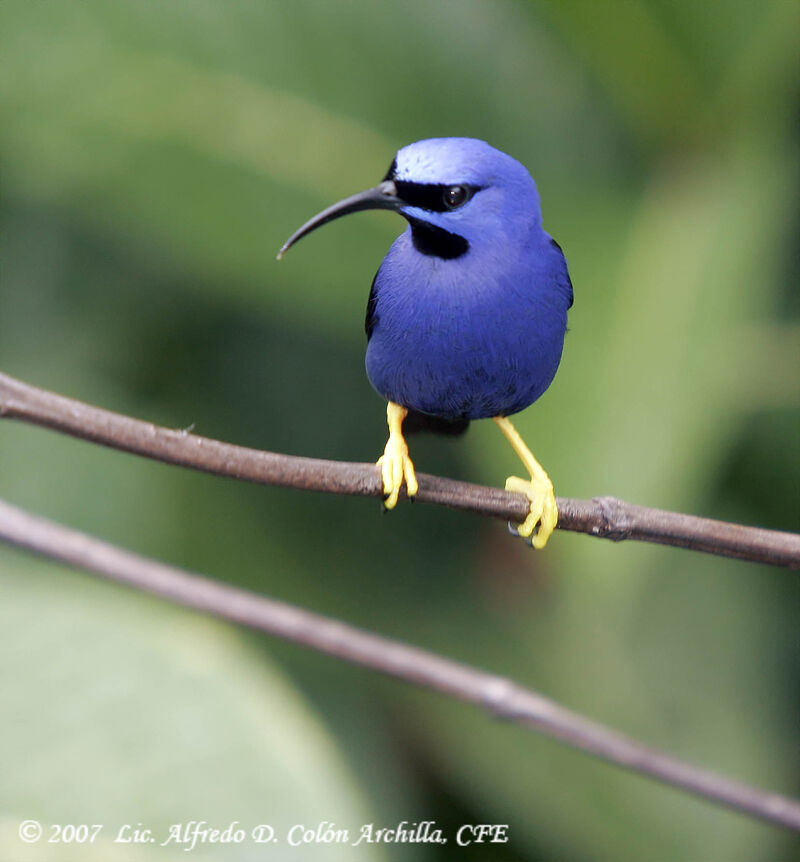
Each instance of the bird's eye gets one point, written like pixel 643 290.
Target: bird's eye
pixel 455 196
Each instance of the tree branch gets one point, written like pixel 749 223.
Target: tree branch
pixel 500 696
pixel 605 517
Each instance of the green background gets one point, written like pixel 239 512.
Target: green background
pixel 154 156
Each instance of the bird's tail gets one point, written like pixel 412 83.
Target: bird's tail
pixel 416 423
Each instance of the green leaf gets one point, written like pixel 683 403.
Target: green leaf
pixel 118 709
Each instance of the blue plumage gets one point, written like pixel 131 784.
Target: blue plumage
pixel 480 334
pixel 467 313
pixel 473 345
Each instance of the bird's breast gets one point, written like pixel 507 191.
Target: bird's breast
pixel 465 338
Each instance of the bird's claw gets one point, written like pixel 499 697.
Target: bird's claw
pixel 543 511
pixel 396 467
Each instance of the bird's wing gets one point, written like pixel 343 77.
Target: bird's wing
pixel 567 279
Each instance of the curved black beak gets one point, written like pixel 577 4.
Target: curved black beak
pixel 382 197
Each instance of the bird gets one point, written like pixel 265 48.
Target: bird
pixel 467 313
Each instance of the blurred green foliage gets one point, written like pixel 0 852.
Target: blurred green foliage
pixel 154 157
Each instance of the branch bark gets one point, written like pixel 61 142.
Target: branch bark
pixel 604 517
pixel 499 695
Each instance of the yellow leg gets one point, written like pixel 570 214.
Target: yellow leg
pixel 539 490
pixel 395 464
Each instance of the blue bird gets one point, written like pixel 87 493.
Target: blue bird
pixel 467 313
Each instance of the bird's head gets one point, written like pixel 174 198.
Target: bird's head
pixel 455 193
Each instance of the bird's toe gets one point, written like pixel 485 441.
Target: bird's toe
pixel 543 515
pixel 396 468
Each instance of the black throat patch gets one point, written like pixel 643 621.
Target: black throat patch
pixel 436 241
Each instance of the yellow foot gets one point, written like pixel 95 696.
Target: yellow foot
pixel 543 517
pixel 543 513
pixel 395 464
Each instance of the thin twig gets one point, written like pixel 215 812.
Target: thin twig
pixel 605 517
pixel 500 696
